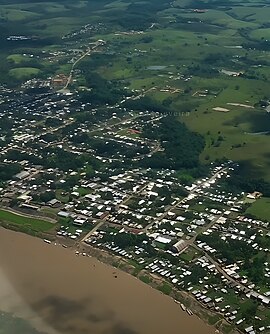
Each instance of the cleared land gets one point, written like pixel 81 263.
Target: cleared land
pixel 24 72
pixel 260 209
pixel 25 222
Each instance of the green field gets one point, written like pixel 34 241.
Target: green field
pixel 24 72
pixel 25 222
pixel 260 209
pixel 12 14
pixel 18 58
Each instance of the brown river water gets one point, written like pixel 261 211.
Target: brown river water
pixel 59 292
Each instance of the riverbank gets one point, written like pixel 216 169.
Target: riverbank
pixel 206 315
pixel 79 294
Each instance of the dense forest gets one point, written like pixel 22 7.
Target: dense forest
pixel 100 91
pixel 181 147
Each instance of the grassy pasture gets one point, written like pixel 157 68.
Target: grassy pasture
pixel 24 72
pixel 13 14
pixel 26 222
pixel 260 208
pixel 261 34
pixel 18 58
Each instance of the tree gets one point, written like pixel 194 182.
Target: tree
pixel 47 196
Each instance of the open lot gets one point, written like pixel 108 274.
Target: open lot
pixel 26 222
pixel 260 209
pixel 24 72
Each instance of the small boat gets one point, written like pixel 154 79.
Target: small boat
pixel 176 301
pixel 183 307
pixel 47 241
pixel 189 312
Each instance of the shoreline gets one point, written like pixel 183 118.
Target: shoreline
pixel 198 310
pixel 119 275
pixel 209 317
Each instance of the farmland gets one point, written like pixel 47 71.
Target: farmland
pixel 180 57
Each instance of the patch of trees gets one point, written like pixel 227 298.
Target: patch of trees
pixel 255 269
pixel 71 181
pixel 37 90
pixel 146 103
pixel 96 60
pixel 133 18
pixel 135 21
pixel 44 197
pixel 16 155
pixel 110 148
pixel 6 126
pixel 250 184
pixel 197 272
pixel 101 91
pixel 187 176
pixel 54 157
pixel 80 138
pixel 64 160
pixel 259 121
pixel 202 71
pixel 216 59
pixel 125 240
pixel 53 122
pixel 7 171
pixel 49 137
pixel 250 311
pixel 245 179
pixel 146 39
pixel 182 147
pixel 261 104
pixel 262 45
pixel 231 250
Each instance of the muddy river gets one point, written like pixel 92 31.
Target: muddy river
pixel 59 292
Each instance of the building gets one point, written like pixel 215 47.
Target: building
pixel 180 246
pixel 22 175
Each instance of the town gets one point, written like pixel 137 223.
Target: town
pixel 143 141
pixel 85 180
